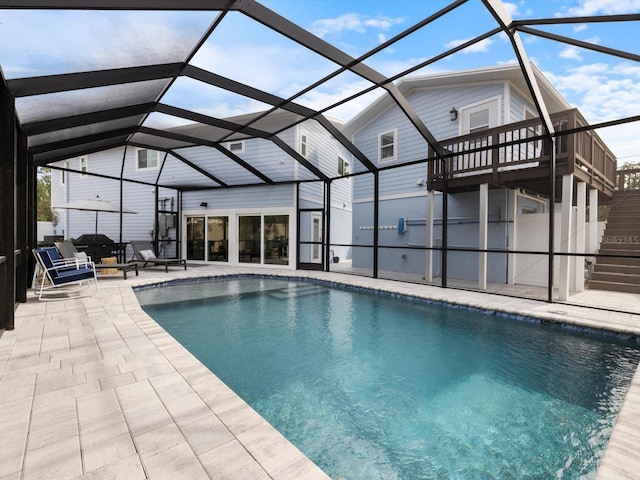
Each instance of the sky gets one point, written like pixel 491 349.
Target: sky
pixel 602 87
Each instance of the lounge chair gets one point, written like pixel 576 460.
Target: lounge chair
pixel 59 271
pixel 143 253
pixel 68 250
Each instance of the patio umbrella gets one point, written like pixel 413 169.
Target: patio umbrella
pixel 94 205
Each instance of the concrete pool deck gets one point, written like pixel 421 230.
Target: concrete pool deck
pixel 92 388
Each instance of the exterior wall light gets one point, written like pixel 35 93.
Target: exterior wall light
pixel 203 204
pixel 454 114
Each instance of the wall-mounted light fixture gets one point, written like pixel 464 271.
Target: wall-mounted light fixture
pixel 203 204
pixel 420 182
pixel 454 114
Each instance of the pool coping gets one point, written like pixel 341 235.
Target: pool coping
pixel 178 375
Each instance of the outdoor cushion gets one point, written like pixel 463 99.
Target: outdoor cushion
pixel 147 254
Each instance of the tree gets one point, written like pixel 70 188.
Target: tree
pixel 45 213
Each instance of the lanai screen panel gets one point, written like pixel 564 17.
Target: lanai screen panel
pixel 84 130
pixel 176 173
pixel 191 94
pixel 240 47
pixel 77 150
pixel 49 106
pixel 223 167
pixel 44 42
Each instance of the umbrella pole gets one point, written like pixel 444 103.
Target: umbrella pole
pixel 96 232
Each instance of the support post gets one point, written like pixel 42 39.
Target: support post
pixel 7 207
pixel 327 228
pixel 483 223
pixel 581 212
pixel 592 246
pixel 428 272
pixel 376 221
pixel 512 234
pixel 565 236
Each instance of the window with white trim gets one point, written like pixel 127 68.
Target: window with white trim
pixel 303 143
pixel 480 116
pixel 84 165
pixel 236 146
pixel 343 167
pixel 147 159
pixel 387 146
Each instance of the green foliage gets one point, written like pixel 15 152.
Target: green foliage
pixel 43 193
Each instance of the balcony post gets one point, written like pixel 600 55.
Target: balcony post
pixel 565 236
pixel 592 244
pixel 581 211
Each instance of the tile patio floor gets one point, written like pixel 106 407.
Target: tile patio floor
pixel 92 388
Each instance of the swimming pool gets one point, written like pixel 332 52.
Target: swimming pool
pixel 369 386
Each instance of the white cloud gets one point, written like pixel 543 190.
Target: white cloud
pixel 604 7
pixel 580 28
pixel 353 22
pixel 570 53
pixel 481 46
pixel 512 8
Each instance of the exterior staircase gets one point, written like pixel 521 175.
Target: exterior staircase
pixel 621 237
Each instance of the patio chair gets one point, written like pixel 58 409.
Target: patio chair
pixel 59 271
pixel 69 251
pixel 143 253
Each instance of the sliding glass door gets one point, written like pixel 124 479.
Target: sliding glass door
pixel 249 239
pixel 195 238
pixel 218 239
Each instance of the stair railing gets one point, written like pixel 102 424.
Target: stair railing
pixel 628 179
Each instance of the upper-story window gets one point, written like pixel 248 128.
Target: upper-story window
pixel 480 116
pixel 343 167
pixel 304 138
pixel 236 146
pixel 479 120
pixel 147 159
pixel 387 145
pixel 84 165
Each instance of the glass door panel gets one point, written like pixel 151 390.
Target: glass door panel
pixel 310 243
pixel 276 239
pixel 249 239
pixel 217 239
pixel 195 238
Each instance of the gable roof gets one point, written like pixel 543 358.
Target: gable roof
pixel 553 100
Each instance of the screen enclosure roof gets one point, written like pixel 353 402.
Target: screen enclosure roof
pixel 186 77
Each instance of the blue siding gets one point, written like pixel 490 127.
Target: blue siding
pixel 240 198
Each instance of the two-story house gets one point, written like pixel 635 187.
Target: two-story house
pixel 497 181
pixel 183 200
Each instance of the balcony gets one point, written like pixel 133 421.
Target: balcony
pixel 503 157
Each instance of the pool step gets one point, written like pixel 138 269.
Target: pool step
pixel 301 291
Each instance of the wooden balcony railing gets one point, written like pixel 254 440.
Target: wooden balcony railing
pixel 506 150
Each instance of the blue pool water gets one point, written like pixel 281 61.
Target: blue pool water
pixel 372 387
